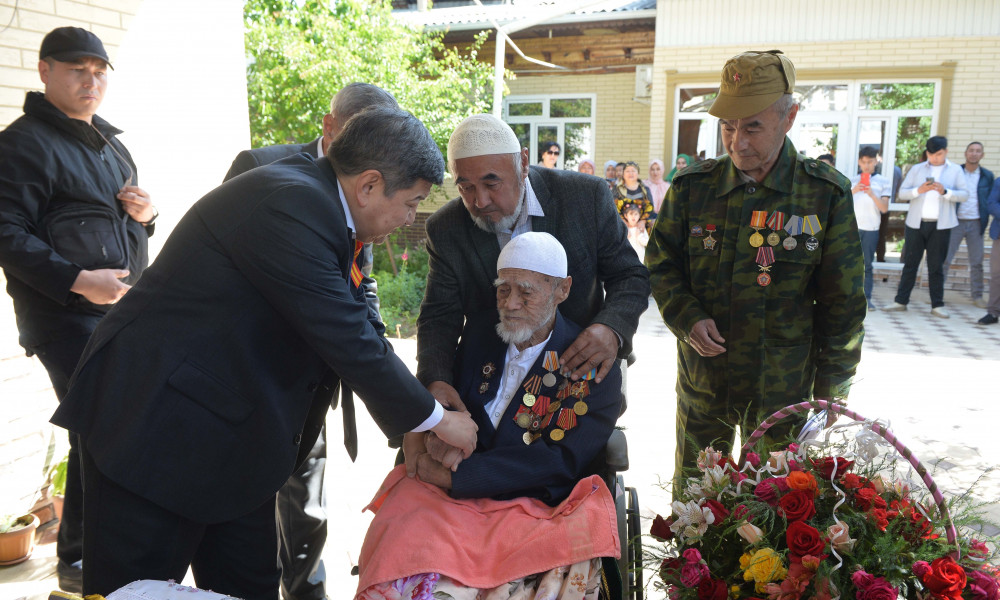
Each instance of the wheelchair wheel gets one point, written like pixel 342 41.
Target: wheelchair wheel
pixel 634 548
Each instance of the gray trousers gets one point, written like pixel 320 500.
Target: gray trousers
pixel 970 230
pixel 994 306
pixel 301 515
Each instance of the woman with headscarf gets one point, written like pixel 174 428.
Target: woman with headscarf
pixel 549 152
pixel 657 186
pixel 609 174
pixel 631 191
pixel 683 161
pixel 586 166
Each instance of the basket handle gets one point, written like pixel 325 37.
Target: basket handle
pixel 877 428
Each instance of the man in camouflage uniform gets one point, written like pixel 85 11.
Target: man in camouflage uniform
pixel 761 321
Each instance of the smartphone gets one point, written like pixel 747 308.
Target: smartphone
pixel 866 179
pixel 930 180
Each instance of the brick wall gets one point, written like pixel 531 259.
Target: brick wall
pixel 622 124
pixel 33 19
pixel 974 112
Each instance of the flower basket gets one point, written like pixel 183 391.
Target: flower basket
pixel 819 519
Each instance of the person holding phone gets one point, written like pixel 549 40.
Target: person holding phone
pixel 871 199
pixel 934 188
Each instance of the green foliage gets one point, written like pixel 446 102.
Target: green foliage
pixel 58 477
pixel 300 52
pixel 400 295
pixel 11 523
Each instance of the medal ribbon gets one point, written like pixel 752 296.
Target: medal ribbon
pixel 758 219
pixel 794 225
pixel 541 406
pixel 812 225
pixel 563 392
pixel 776 221
pixel 765 257
pixel 567 419
pixel 591 374
pixel 551 362
pixel 533 384
pixel 356 275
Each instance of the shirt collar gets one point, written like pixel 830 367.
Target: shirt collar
pixel 319 147
pixel 347 209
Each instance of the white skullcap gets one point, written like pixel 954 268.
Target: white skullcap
pixel 479 135
pixel 534 251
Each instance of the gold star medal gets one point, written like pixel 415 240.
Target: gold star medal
pixel 709 241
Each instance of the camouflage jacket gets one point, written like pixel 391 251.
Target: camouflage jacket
pixel 797 337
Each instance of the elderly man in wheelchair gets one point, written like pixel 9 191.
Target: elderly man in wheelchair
pixel 520 517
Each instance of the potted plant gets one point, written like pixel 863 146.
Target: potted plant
pixel 17 538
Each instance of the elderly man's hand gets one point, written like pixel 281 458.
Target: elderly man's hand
pixel 433 472
pixel 444 393
pixel 413 447
pixel 706 339
pixel 595 348
pixel 447 455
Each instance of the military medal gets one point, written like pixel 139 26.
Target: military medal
pixel 488 370
pixel 566 421
pixel 794 228
pixel 556 434
pixel 758 220
pixel 528 400
pixel 580 408
pixel 551 363
pixel 530 437
pixel 709 242
pixel 811 224
pixel 775 223
pixel 697 231
pixel 765 258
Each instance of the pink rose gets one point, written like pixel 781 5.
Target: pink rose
pixel 840 537
pixel 770 489
pixel 692 573
pixel 921 568
pixel 861 580
pixel 879 589
pixel 983 586
pixel 753 459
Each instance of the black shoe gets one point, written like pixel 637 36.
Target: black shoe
pixel 988 320
pixel 70 577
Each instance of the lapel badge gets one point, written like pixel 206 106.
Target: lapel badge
pixel 697 231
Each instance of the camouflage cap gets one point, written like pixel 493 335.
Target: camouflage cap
pixel 751 82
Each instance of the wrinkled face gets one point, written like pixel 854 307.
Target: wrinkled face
pixel 937 158
pixel 974 154
pixel 491 187
pixel 526 301
pixel 76 88
pixel 384 214
pixel 681 163
pixel 655 171
pixel 586 167
pixel 754 142
pixel 630 175
pixel 609 172
pixel 868 164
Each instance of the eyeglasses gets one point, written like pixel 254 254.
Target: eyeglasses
pixel 552 152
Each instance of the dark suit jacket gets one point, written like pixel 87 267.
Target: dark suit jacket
pixel 610 284
pixel 251 159
pixel 983 190
pixel 198 389
pixel 502 466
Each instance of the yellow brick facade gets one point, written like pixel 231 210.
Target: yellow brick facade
pixel 621 123
pixel 973 112
pixel 32 19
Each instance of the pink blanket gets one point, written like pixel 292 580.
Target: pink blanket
pixel 482 543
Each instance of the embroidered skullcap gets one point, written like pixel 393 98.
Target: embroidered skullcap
pixel 479 135
pixel 534 251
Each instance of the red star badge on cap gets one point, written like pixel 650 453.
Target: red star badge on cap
pixel 736 77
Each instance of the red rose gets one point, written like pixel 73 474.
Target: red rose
pixel 720 511
pixel 880 518
pixel 660 529
pixel 867 498
pixel 825 466
pixel 946 579
pixel 803 539
pixel 769 489
pixel 670 568
pixel 712 589
pixel 853 482
pixel 797 505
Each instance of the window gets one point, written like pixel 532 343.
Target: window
pixel 567 120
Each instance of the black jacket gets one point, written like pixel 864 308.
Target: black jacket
pixel 50 162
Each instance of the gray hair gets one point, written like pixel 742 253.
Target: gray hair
pixel 356 97
pixel 783 105
pixel 392 142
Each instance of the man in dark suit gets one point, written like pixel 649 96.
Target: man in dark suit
pixel 502 197
pixel 300 505
pixel 196 396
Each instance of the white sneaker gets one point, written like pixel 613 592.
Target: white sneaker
pixel 980 303
pixel 895 307
pixel 941 312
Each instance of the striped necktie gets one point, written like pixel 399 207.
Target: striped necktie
pixel 356 275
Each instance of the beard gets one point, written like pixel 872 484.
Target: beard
pixel 506 223
pixel 521 333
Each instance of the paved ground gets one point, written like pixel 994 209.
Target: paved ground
pixel 929 377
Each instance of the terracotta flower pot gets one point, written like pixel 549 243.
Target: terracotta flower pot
pixel 16 545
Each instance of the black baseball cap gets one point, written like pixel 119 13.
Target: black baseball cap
pixel 67 44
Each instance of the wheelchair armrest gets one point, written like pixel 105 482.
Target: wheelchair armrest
pixel 616 451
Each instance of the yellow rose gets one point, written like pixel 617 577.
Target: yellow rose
pixel 762 567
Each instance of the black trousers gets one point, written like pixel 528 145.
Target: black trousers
pixel 301 514
pixel 127 537
pixel 934 242
pixel 59 358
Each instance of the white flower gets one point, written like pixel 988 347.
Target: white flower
pixel 750 532
pixel 709 457
pixel 692 520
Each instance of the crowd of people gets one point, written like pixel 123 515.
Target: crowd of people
pixel 196 395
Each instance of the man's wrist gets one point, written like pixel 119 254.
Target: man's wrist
pixel 156 213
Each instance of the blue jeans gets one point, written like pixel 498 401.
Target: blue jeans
pixel 869 242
